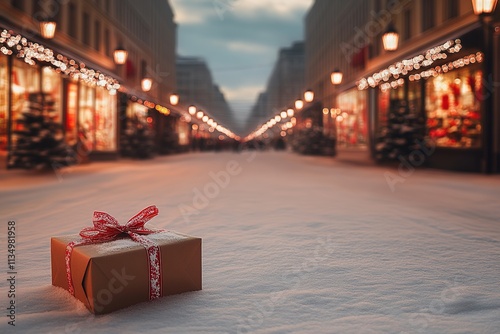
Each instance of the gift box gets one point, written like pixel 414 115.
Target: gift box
pixel 109 266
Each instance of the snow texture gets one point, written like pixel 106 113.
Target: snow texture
pixel 291 244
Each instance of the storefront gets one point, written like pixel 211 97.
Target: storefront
pixel 352 120
pixel 432 102
pixel 97 121
pixel 82 100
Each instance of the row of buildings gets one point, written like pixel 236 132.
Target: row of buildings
pixel 96 98
pixel 434 98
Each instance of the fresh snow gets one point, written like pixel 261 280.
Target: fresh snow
pixel 291 244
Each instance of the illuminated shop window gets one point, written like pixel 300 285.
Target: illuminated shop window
pixel 71 113
pixel 4 102
pixel 86 117
pixel 52 85
pixel 105 120
pixel 352 127
pixel 453 107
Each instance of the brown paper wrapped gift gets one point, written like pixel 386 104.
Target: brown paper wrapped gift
pixel 113 275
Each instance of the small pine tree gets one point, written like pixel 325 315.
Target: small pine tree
pixel 39 138
pixel 137 140
pixel 403 134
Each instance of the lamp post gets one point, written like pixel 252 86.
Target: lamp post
pixel 485 9
pixel 390 38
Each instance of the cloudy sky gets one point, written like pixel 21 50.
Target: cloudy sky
pixel 239 39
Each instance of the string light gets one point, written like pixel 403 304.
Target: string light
pixel 32 52
pixel 404 67
pixel 435 71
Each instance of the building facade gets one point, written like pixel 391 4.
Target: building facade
pixel 286 83
pixel 432 101
pixel 195 84
pixel 93 96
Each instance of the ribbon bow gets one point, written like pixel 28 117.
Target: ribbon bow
pixel 106 228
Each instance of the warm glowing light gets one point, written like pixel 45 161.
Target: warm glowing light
pixel 336 77
pixel 149 120
pixel 205 118
pixel 484 7
pixel 194 127
pixel 192 110
pixel 174 99
pixel 283 114
pixel 48 29
pixel 283 134
pixel 277 119
pixel 390 39
pixel 120 55
pixel 146 84
pixel 290 112
pixel 309 95
pixel 299 104
pixel 325 111
pixel 199 115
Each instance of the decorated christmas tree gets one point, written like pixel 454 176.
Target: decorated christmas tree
pixel 137 140
pixel 39 138
pixel 403 134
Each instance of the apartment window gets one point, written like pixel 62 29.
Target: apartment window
pixel 407 24
pixel 97 35
pixel 451 9
pixel 72 30
pixel 86 28
pixel 428 14
pixel 37 9
pixel 19 4
pixel 107 43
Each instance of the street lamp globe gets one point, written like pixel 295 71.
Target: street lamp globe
pixel 390 39
pixel 290 112
pixel 192 110
pixel 299 104
pixel 174 99
pixel 146 84
pixel 484 7
pixel 48 29
pixel 309 95
pixel 336 77
pixel 199 115
pixel 120 55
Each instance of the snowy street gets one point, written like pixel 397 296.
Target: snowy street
pixel 291 244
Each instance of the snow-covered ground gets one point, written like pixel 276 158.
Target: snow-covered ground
pixel 290 244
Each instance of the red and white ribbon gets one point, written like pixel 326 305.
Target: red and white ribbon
pixel 106 228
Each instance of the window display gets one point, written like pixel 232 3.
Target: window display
pixel 4 102
pixel 105 120
pixel 25 80
pixel 352 129
pixel 52 85
pixel 71 112
pixel 183 131
pixel 86 117
pixel 453 108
